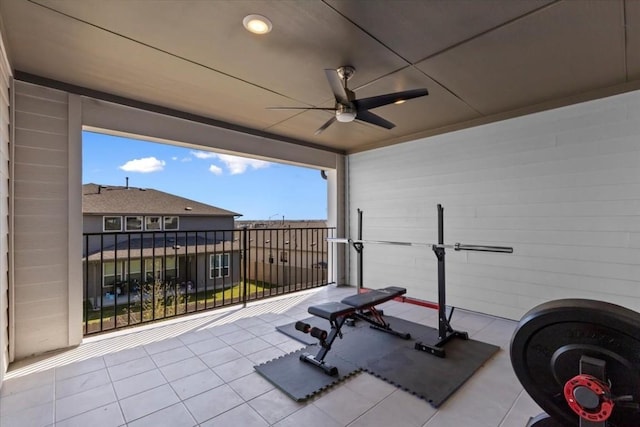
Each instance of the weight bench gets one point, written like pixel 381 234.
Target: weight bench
pixel 337 313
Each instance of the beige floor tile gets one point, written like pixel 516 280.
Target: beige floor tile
pixel 240 416
pixel 150 401
pixel 138 383
pixel 274 406
pixel 80 403
pixel 197 383
pixel 212 403
pixel 174 416
pixel 251 386
pixel 106 416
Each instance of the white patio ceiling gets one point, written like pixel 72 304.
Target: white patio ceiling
pixel 480 60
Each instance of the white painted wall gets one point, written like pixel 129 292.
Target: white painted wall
pixel 5 139
pixel 562 187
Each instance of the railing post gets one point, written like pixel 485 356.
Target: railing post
pixel 245 265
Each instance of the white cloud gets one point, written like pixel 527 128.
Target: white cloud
pixel 144 165
pixel 216 170
pixel 203 155
pixel 174 158
pixel 236 165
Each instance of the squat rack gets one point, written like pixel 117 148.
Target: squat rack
pixel 445 331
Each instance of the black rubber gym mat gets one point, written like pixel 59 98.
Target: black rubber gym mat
pixel 301 380
pixel 432 378
pixel 386 356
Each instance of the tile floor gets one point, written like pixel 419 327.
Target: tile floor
pixel 199 372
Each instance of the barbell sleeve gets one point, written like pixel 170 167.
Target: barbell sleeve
pixel 483 248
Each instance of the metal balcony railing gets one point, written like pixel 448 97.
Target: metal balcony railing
pixel 132 278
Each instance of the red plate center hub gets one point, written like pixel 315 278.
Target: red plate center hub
pixel 589 397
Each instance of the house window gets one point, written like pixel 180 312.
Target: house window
pixel 284 256
pixel 153 269
pixel 133 223
pixel 152 223
pixel 171 270
pixel 112 273
pixel 124 270
pixel 170 222
pixel 134 276
pixel 111 223
pixel 218 265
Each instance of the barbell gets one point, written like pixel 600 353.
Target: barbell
pixel 455 246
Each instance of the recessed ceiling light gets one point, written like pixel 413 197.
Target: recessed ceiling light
pixel 402 101
pixel 257 24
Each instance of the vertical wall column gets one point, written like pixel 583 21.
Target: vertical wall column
pixel 47 214
pixel 74 182
pixel 336 216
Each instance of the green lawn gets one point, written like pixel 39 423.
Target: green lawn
pixel 195 302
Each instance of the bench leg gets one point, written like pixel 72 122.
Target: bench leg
pixel 325 346
pixel 376 321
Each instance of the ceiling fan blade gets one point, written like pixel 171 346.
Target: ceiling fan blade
pixel 336 86
pixel 326 125
pixel 389 98
pixel 301 108
pixel 374 119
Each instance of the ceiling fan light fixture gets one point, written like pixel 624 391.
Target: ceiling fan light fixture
pixel 346 116
pixel 345 113
pixel 257 24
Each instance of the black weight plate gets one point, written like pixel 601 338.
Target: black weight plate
pixel 550 339
pixel 543 420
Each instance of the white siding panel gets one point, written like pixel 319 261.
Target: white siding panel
pixel 31 138
pixel 44 93
pixel 42 106
pixel 561 187
pixel 46 157
pixel 42 241
pixel 46 207
pixel 5 141
pixel 38 173
pixel 38 123
pixel 42 189
pixel 41 275
pixel 41 220
pixel 45 291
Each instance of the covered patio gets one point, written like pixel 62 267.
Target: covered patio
pixel 529 137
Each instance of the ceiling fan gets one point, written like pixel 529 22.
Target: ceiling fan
pixel 348 108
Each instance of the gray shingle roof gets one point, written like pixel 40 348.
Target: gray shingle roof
pixel 101 200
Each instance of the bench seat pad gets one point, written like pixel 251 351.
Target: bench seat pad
pixel 331 310
pixel 374 297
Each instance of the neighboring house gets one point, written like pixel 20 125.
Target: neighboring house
pixel 282 252
pixel 135 238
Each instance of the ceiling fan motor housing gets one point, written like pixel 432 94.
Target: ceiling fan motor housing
pixel 346 72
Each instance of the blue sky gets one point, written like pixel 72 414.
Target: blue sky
pixel 254 188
